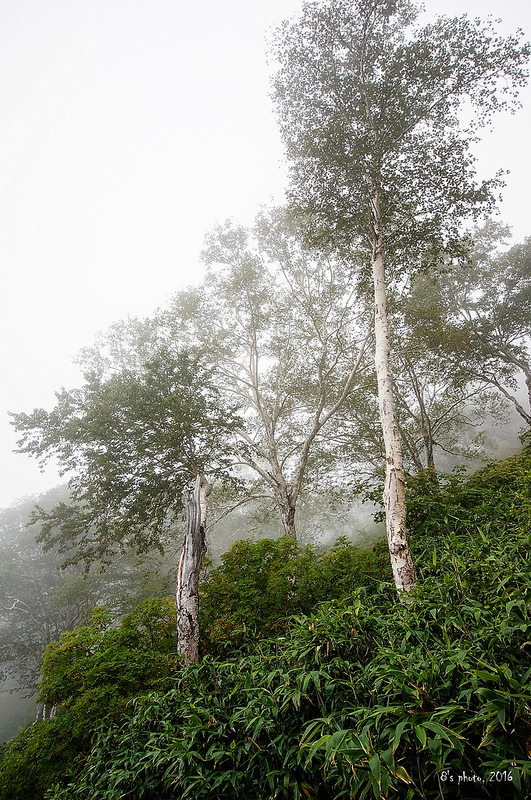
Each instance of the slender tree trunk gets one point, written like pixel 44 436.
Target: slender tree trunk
pixel 287 514
pixel 395 484
pixel 428 447
pixel 424 420
pixel 525 415
pixel 45 712
pixel 190 564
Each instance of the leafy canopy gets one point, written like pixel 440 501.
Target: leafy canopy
pixel 368 105
pixel 133 440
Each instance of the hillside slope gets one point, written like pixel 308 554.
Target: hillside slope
pixel 365 696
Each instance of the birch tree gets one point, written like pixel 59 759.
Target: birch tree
pixel 368 111
pixel 287 339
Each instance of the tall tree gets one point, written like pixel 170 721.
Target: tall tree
pixel 277 327
pixel 368 110
pixel 133 441
pixel 286 339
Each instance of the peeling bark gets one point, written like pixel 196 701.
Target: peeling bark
pixel 188 573
pixel 395 483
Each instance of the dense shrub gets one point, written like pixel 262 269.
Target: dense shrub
pixel 89 675
pixel 259 585
pixel 92 672
pixel 366 696
pixel 356 699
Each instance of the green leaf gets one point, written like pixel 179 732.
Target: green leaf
pixel 421 735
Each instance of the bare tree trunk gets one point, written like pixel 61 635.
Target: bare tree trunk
pixel 287 514
pixel 395 484
pixel 45 712
pixel 190 564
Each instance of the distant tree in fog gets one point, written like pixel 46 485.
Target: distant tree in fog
pixel 38 601
pixel 487 316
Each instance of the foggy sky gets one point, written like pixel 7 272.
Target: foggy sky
pixel 129 127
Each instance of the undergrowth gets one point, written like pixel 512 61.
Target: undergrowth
pixel 366 696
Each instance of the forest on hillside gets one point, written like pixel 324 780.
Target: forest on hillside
pixel 291 557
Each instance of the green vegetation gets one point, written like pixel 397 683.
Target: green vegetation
pixel 89 675
pixel 317 677
pixel 260 584
pixel 362 696
pixel 38 601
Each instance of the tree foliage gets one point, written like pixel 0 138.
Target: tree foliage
pixel 367 102
pixel 132 440
pixel 283 332
pixel 442 402
pixel 275 333
pixel 487 316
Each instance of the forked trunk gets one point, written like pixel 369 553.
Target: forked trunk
pixel 395 484
pixel 190 564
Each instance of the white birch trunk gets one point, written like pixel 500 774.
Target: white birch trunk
pixel 45 712
pixel 395 484
pixel 190 564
